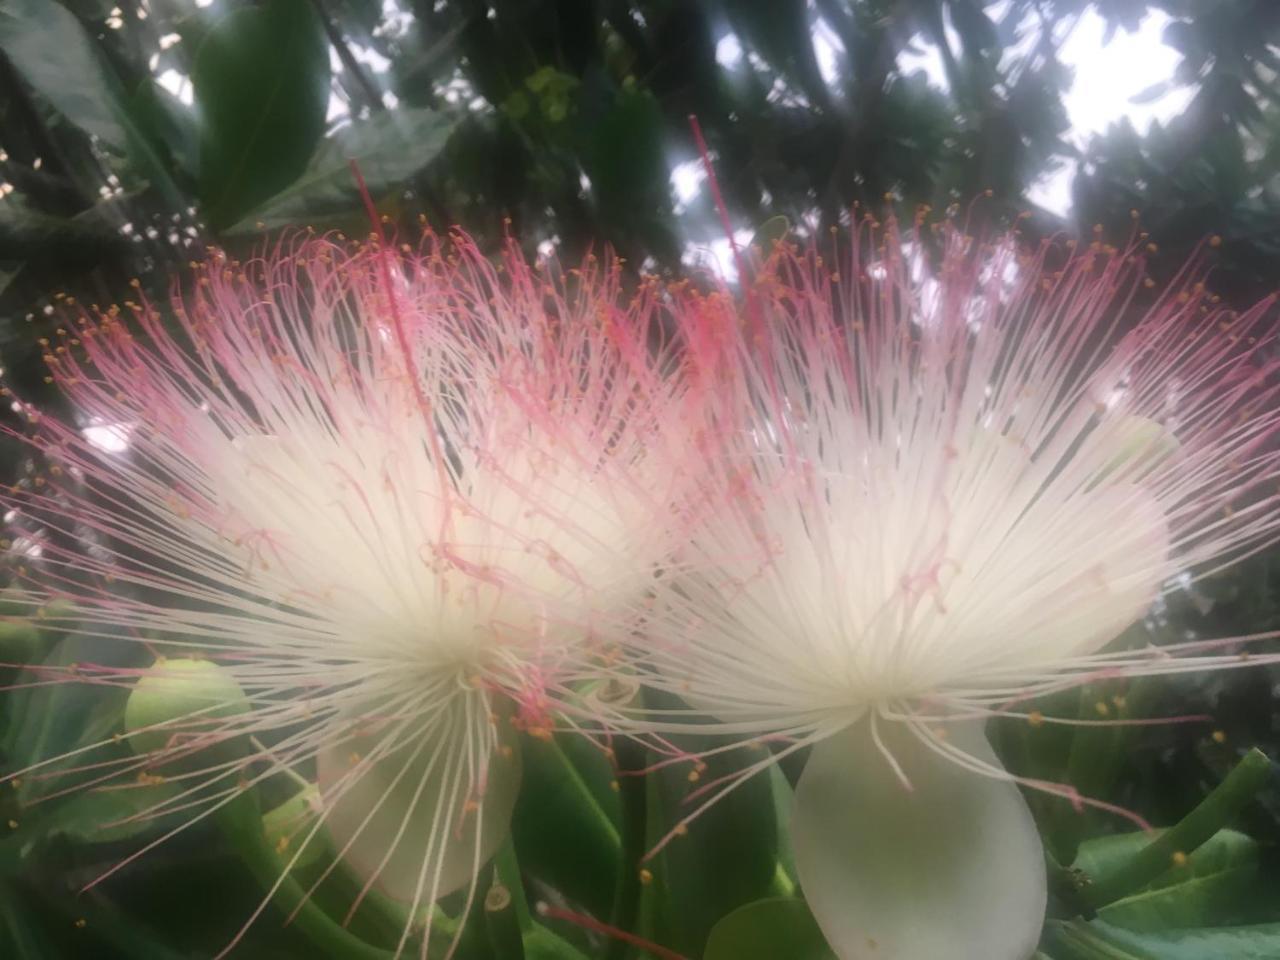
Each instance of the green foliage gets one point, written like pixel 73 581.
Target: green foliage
pixel 767 929
pixel 54 53
pixel 566 820
pixel 389 148
pixel 1220 882
pixel 728 857
pixel 261 80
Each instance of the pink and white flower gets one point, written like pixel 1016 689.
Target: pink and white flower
pixel 940 485
pixel 391 496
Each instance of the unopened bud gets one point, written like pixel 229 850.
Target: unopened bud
pixel 182 698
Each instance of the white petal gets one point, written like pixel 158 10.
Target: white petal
pixel 951 868
pixel 379 813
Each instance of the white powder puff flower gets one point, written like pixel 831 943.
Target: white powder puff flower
pixel 372 509
pixel 940 486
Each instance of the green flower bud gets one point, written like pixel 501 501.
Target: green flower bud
pixel 184 699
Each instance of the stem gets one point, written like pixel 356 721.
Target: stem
pixel 372 96
pixel 507 873
pixel 1194 829
pixel 473 939
pixel 239 822
pixel 503 924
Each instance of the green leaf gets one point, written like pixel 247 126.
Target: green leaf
pixel 50 720
pixel 167 120
pixel 261 82
pixel 1255 942
pixel 630 183
pixel 1197 827
pixel 26 232
pixel 562 830
pixel 55 54
pixel 728 857
pixel 104 816
pixel 1216 885
pixel 1077 940
pixel 389 147
pixel 767 930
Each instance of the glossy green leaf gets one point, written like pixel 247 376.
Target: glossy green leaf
pixel 728 857
pixel 1216 885
pixel 166 120
pixel 26 232
pixel 54 53
pixel 389 147
pixel 1078 940
pixel 1154 859
pixel 1255 942
pixel 261 82
pixel 47 721
pixel 1104 854
pixel 630 182
pixel 104 816
pixel 768 930
pixel 564 831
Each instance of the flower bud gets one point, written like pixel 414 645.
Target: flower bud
pixel 183 703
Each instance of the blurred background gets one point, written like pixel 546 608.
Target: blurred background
pixel 137 134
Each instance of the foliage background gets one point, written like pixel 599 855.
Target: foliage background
pixel 561 120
